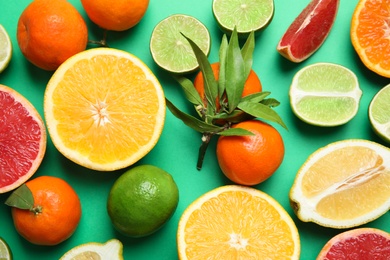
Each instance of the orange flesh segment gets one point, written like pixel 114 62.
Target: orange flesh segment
pixel 115 123
pixel 342 188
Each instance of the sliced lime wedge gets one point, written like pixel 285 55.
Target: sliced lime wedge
pixel 379 113
pixel 112 249
pixel 5 48
pixel 325 94
pixel 245 15
pixel 171 51
pixel 5 251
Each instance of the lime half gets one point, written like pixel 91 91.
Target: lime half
pixel 5 251
pixel 112 249
pixel 379 113
pixel 5 48
pixel 325 94
pixel 245 15
pixel 171 51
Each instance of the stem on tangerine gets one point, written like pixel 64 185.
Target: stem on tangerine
pixel 36 210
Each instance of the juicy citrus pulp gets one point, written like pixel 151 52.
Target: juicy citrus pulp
pixel 379 113
pixel 309 30
pixel 325 94
pixel 5 251
pixel 112 249
pixel 360 243
pixel 5 48
pixel 23 139
pixel 245 15
pixel 170 50
pixel 104 109
pixel 344 184
pixel 237 222
pixel 369 35
pixel 142 200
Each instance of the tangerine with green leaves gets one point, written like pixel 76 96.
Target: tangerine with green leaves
pixel 54 214
pixel 251 159
pixel 252 84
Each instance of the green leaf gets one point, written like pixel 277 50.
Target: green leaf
pixel 235 132
pixel 271 102
pixel 222 68
pixel 235 72
pixel 189 90
pixel 210 83
pixel 261 111
pixel 247 52
pixel 21 198
pixel 193 122
pixel 256 97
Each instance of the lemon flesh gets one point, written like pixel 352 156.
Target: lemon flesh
pixel 112 249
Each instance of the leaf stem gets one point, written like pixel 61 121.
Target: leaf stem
pixel 102 42
pixel 206 137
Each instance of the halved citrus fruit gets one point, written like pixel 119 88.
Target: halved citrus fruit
pixel 325 94
pixel 112 249
pixel 171 51
pixel 104 109
pixel 309 30
pixel 237 222
pixel 244 15
pixel 344 184
pixel 357 244
pixel 5 251
pixel 379 113
pixel 23 139
pixel 5 48
pixel 370 35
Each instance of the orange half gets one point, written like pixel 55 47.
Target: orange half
pixel 370 35
pixel 104 109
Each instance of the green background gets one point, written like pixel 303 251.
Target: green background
pixel 176 151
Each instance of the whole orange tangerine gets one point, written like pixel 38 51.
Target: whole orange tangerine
pixel 55 215
pixel 251 159
pixel 51 31
pixel 117 15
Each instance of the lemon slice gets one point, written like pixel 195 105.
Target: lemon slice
pixel 325 94
pixel 111 250
pixel 379 113
pixel 343 185
pixel 5 251
pixel 5 48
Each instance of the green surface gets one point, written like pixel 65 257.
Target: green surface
pixel 176 151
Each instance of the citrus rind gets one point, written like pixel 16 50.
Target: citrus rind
pixel 112 249
pixel 325 94
pixel 305 208
pixel 379 113
pixel 5 49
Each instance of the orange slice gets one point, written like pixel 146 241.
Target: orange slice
pixel 344 184
pixel 237 222
pixel 370 35
pixel 104 109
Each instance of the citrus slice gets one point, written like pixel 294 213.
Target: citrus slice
pixel 325 94
pixel 379 113
pixel 5 48
pixel 309 30
pixel 357 244
pixel 23 139
pixel 245 15
pixel 112 249
pixel 171 51
pixel 344 184
pixel 104 109
pixel 237 222
pixel 370 35
pixel 5 251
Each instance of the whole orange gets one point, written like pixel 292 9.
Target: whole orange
pixel 51 31
pixel 251 159
pixel 252 84
pixel 55 215
pixel 117 15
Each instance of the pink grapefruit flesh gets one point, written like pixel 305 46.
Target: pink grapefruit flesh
pixel 309 30
pixel 357 244
pixel 22 139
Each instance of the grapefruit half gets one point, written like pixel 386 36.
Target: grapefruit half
pixel 309 30
pixel 22 139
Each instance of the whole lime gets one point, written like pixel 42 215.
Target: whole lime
pixel 142 200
